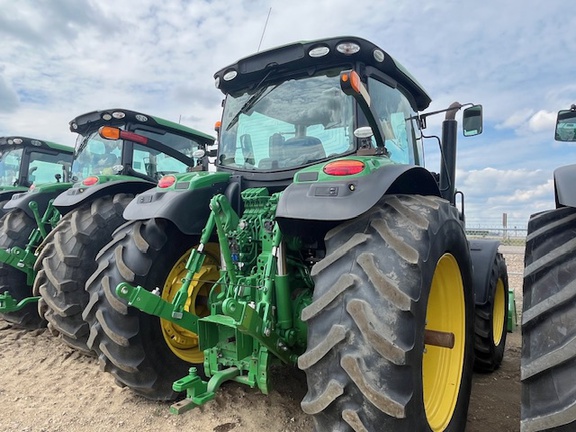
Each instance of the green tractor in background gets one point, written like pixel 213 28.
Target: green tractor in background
pixel 28 161
pixel 320 241
pixel 50 260
pixel 548 362
pixel 41 167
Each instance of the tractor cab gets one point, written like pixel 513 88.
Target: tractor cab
pixel 288 109
pixel 122 142
pixel 24 161
pixel 311 102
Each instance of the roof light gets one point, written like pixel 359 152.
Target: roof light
pixel 118 115
pixel 90 181
pixel 17 140
pixel 217 82
pixel 378 55
pixel 36 143
pixel 109 132
pixel 74 126
pixel 106 116
pixel 141 117
pixel 230 75
pixel 344 167
pixel 348 48
pixel 319 51
pixel 166 181
pixel 217 125
pixel 353 78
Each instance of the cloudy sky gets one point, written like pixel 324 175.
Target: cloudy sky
pixel 62 58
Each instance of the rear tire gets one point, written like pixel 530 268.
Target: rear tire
pixel 548 365
pixel 2 211
pixel 132 345
pixel 68 259
pixel 15 229
pixel 387 276
pixel 491 323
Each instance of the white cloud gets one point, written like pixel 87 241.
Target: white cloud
pixel 516 119
pixel 542 121
pixel 8 98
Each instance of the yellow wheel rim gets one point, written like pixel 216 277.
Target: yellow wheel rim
pixel 182 342
pixel 442 367
pixel 499 312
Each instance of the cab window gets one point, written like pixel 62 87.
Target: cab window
pixel 397 121
pixel 44 167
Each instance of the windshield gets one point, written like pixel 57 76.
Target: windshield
pixel 95 155
pixel 287 125
pixel 10 166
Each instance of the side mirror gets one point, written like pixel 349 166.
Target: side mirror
pixel 472 120
pixel 566 126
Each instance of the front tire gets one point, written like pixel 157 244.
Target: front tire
pixel 68 259
pixel 388 277
pixel 15 229
pixel 548 363
pixel 140 350
pixel 491 324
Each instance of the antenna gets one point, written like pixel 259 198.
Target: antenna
pixel 264 30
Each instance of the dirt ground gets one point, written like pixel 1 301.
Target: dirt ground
pixel 47 387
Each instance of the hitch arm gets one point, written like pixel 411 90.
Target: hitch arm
pixel 8 304
pixel 152 304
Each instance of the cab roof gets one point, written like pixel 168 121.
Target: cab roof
pixel 315 55
pixel 15 141
pixel 87 121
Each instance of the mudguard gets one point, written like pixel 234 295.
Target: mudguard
pixel 80 194
pixel 6 195
pixel 564 181
pixel 482 253
pixel 186 203
pixel 314 197
pixel 40 195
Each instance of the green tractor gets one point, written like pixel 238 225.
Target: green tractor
pixel 28 161
pixel 118 154
pixel 27 166
pixel 549 316
pixel 320 241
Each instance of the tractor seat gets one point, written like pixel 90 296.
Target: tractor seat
pixel 299 146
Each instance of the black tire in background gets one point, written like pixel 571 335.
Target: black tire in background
pixel 548 364
pixel 67 260
pixel 388 276
pixel 491 323
pixel 15 228
pixel 2 211
pixel 131 344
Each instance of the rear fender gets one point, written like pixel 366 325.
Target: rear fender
pixel 80 194
pixel 41 195
pixel 564 181
pixel 483 254
pixel 185 203
pixel 315 196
